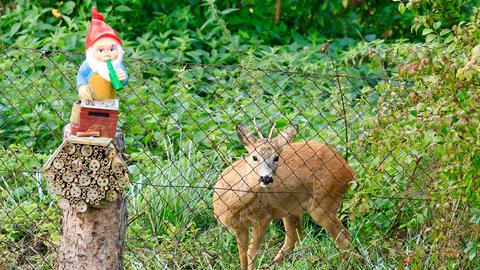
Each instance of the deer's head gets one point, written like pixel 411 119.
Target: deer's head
pixel 263 153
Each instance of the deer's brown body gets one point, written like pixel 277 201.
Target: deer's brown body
pixel 308 177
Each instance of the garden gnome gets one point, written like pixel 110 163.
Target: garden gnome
pixel 102 44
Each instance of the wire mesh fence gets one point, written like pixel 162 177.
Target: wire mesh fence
pixel 179 121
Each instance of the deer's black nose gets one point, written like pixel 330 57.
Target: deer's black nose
pixel 266 179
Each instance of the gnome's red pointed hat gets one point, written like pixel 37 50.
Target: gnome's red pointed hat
pixel 99 29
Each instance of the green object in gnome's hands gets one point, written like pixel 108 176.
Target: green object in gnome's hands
pixel 116 83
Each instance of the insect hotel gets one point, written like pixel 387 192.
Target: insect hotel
pixel 88 171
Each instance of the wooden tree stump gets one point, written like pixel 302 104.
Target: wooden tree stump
pixel 94 239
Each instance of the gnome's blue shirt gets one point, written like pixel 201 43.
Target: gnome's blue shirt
pixel 85 72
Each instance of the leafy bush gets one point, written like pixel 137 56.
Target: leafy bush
pixel 207 32
pixel 429 131
pixel 29 231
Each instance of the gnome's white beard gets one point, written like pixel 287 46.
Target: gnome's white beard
pixel 101 67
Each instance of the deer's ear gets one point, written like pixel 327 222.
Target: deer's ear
pixel 245 136
pixel 286 136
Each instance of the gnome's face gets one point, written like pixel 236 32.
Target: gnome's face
pixel 105 48
pixel 100 51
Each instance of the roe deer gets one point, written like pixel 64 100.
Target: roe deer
pixel 281 179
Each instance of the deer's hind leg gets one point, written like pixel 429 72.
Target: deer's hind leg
pixel 325 215
pixel 293 233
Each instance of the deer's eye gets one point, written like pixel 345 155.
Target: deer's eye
pixel 275 158
pixel 255 158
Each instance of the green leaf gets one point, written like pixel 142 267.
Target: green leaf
pixel 228 11
pixel 427 31
pixel 401 8
pixel 67 8
pixel 14 29
pixel 123 8
pixel 449 39
pixel 437 25
pixel 445 31
pixel 430 38
pixel 451 48
pixel 19 193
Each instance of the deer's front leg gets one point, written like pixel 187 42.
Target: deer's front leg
pixel 242 244
pixel 258 233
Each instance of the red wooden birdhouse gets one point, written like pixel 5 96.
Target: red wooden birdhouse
pixel 95 116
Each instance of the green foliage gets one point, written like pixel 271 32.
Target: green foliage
pixel 29 235
pixel 29 231
pixel 199 67
pixel 207 32
pixel 429 131
pixel 438 13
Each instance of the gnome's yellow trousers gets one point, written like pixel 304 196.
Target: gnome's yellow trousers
pixel 101 88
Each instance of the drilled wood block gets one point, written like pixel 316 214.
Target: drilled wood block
pixel 58 163
pixel 102 181
pixel 123 181
pixel 84 180
pixel 94 165
pixel 69 148
pixel 87 150
pixel 81 206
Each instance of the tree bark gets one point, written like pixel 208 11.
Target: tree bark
pixel 278 10
pixel 94 239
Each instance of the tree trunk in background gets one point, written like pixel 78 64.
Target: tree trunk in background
pixel 278 10
pixel 94 240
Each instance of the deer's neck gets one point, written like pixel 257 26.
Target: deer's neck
pixel 244 191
